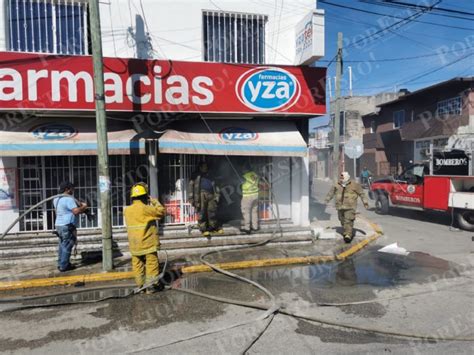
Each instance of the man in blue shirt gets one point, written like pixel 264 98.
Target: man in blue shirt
pixel 67 212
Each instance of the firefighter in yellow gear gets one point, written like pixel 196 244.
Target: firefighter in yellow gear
pixel 346 192
pixel 142 231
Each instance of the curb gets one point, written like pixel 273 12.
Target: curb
pixel 114 276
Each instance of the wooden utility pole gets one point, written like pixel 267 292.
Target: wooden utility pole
pixel 102 144
pixel 337 108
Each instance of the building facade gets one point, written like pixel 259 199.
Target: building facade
pixel 353 108
pixel 402 131
pixel 187 81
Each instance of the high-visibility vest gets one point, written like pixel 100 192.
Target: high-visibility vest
pixel 250 185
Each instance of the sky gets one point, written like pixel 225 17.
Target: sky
pixel 442 43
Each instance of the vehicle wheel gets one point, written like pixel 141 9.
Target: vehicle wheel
pixel 381 204
pixel 465 219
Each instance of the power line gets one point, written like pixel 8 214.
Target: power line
pixel 422 75
pixel 412 6
pixel 402 22
pixel 392 16
pixel 393 59
pixel 418 6
pixel 439 68
pixel 338 17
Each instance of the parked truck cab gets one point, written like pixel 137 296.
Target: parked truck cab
pixel 415 188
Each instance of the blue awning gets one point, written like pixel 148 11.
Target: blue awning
pixel 38 137
pixel 235 137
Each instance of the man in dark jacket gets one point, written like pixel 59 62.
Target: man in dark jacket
pixel 346 193
pixel 203 194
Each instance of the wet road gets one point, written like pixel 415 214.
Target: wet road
pixel 416 294
pixel 427 293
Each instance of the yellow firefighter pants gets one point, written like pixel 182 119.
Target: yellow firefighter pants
pixel 145 268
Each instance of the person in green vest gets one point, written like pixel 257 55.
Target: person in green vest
pixel 249 205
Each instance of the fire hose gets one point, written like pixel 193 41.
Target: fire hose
pixel 271 309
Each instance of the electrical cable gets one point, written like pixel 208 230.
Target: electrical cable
pixel 407 80
pixel 393 59
pixel 400 23
pixel 392 16
pixel 401 5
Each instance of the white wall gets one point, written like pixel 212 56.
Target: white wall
pixel 9 215
pixel 300 191
pixel 176 26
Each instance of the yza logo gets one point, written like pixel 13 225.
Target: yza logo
pixel 51 131
pixel 236 134
pixel 268 89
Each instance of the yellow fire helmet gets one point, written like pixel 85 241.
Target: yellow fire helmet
pixel 139 190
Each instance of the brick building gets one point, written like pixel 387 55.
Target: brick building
pixel 403 129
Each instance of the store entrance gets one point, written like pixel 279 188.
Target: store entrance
pixel 176 170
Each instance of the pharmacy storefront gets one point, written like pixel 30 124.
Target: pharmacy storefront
pixel 163 118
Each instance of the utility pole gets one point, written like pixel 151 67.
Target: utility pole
pixel 350 80
pixel 337 108
pixel 102 144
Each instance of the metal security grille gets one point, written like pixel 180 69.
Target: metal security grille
pixel 40 178
pixel 48 26
pixel 30 193
pixel 125 171
pixel 234 37
pixel 174 175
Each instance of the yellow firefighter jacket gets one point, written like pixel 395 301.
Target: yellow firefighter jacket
pixel 346 196
pixel 141 226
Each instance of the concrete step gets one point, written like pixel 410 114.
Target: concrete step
pixel 164 230
pixel 185 243
pixel 50 239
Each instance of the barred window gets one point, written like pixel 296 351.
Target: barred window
pixel 450 106
pixel 48 26
pixel 234 37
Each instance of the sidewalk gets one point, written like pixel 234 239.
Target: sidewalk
pixel 324 246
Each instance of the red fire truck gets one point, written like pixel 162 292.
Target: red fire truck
pixel 417 188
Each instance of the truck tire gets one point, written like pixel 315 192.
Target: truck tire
pixel 465 219
pixel 381 204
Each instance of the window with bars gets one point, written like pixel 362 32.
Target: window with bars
pixel 234 37
pixel 48 26
pixel 450 106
